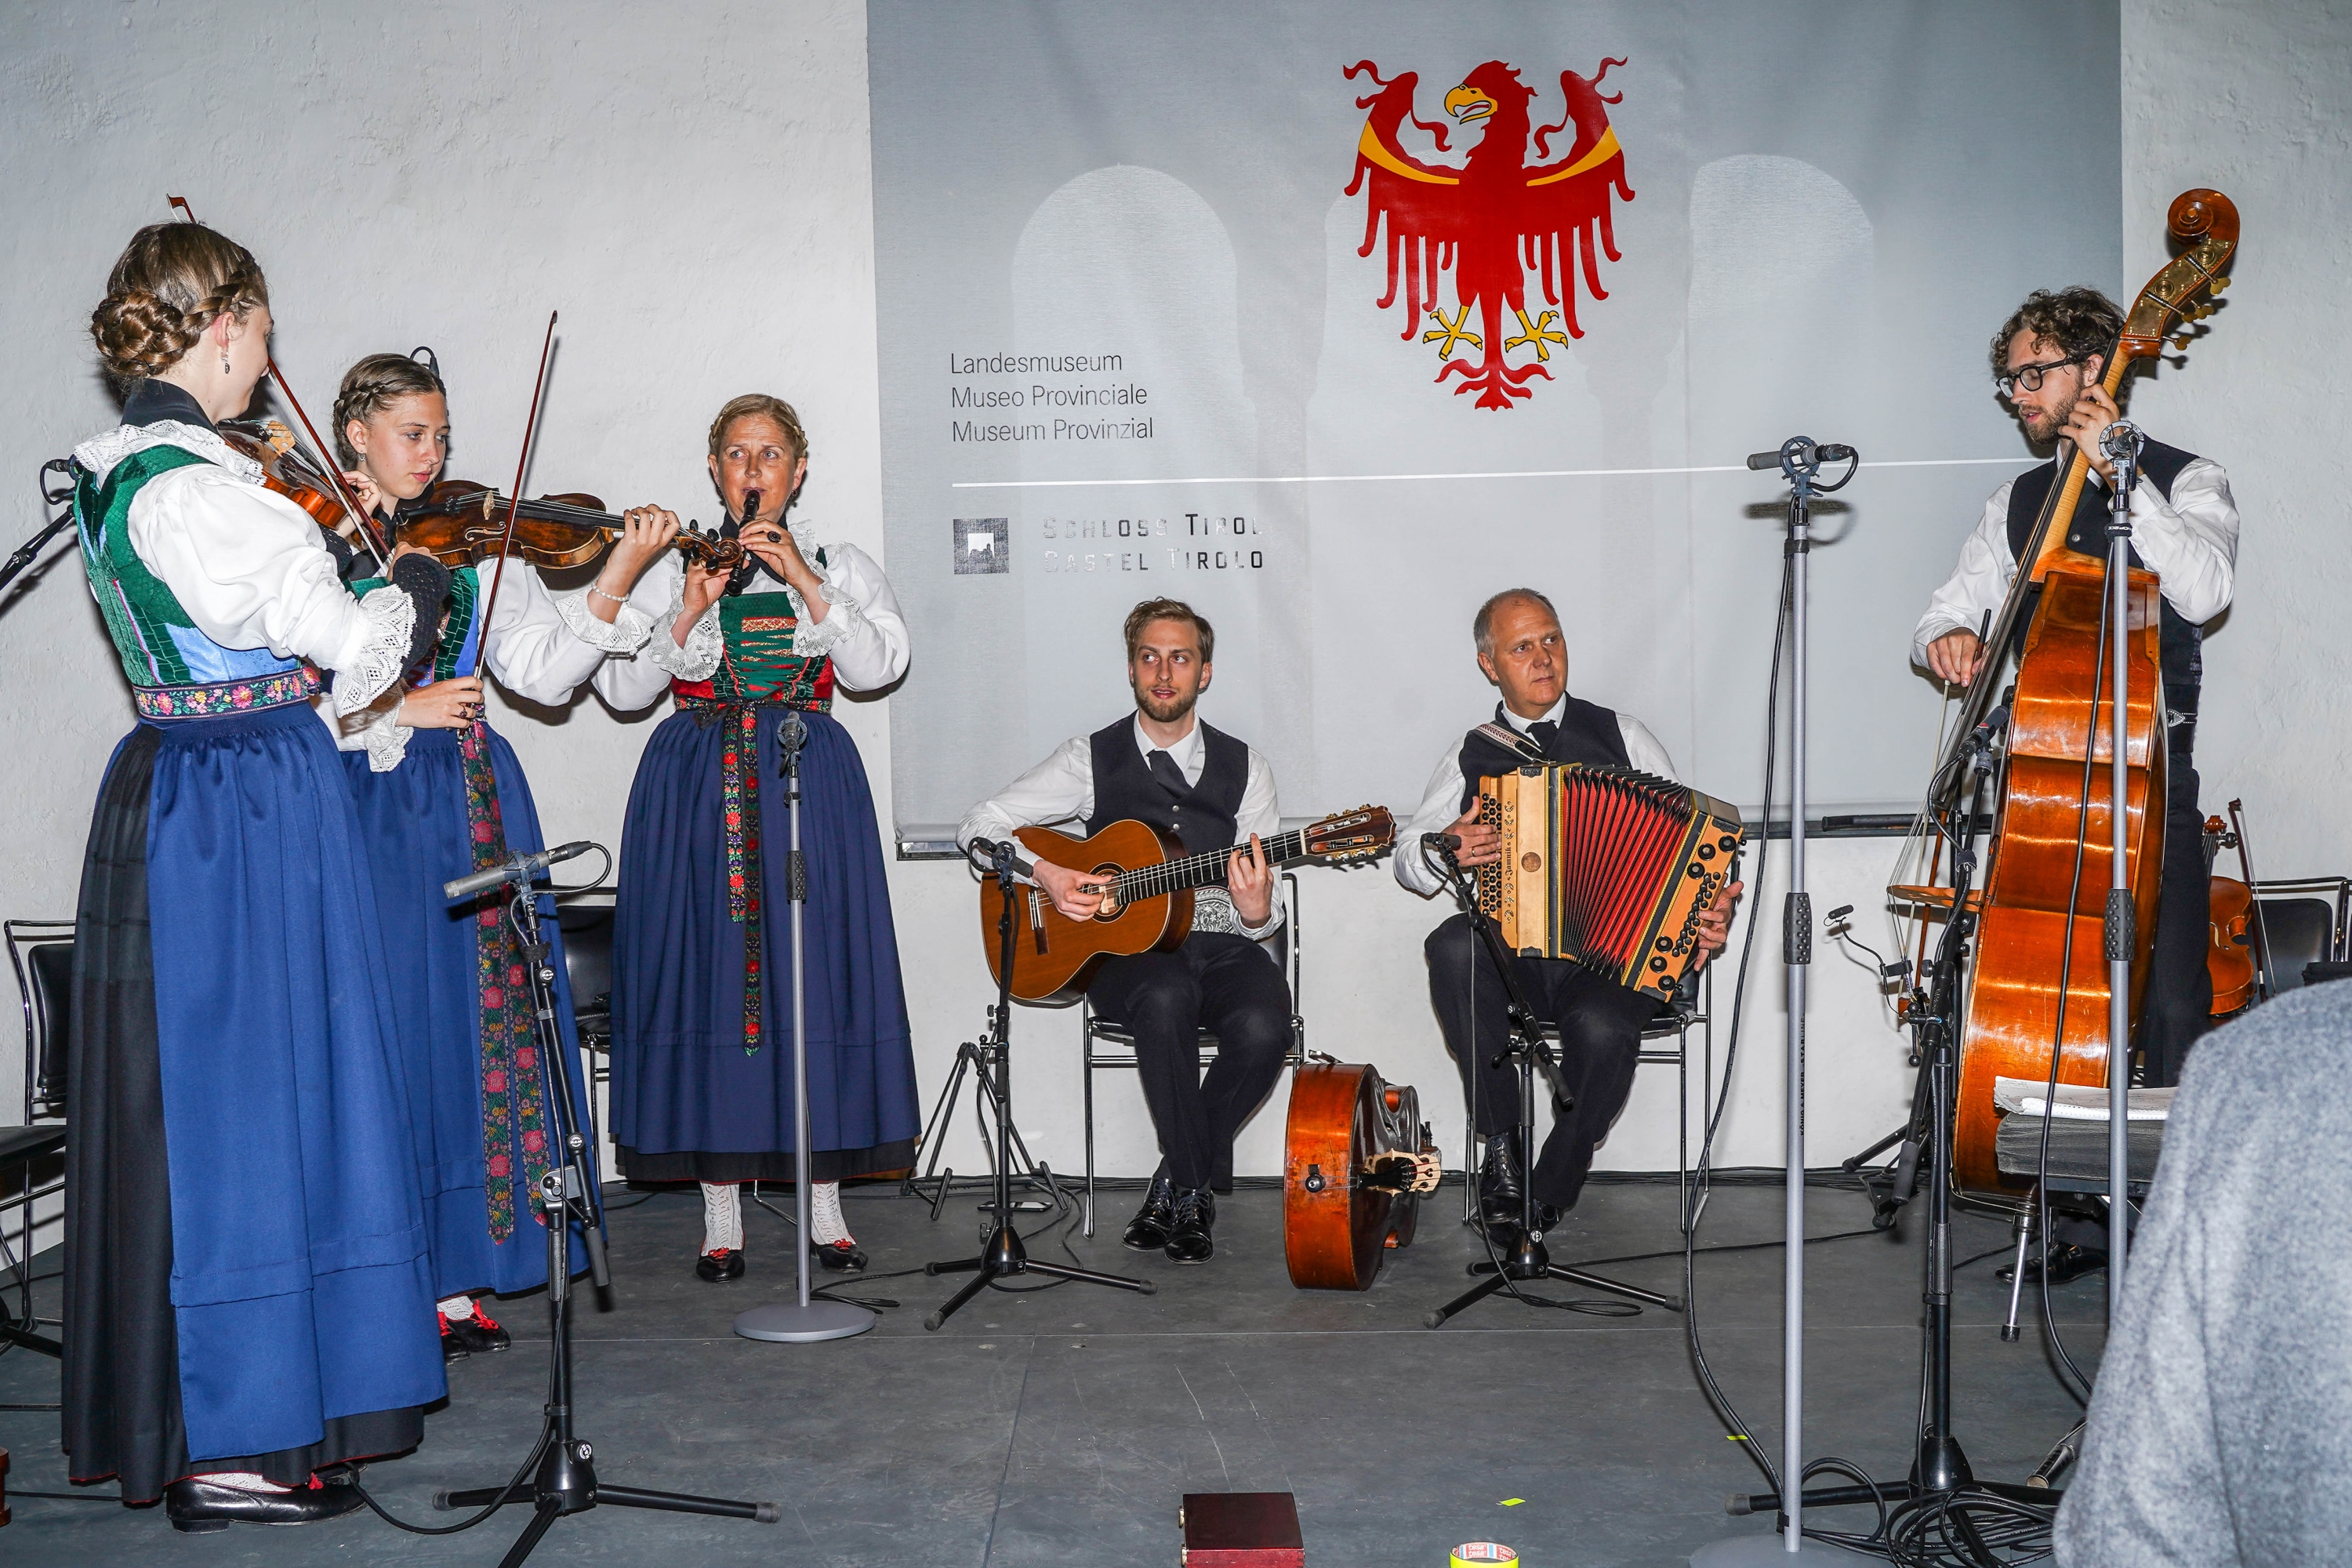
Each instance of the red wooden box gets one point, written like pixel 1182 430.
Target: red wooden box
pixel 1241 1530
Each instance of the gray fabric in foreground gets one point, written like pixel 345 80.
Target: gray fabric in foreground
pixel 2222 1428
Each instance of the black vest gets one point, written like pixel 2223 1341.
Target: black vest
pixel 2180 644
pixel 1202 818
pixel 1587 733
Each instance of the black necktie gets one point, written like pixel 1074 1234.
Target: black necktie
pixel 1163 768
pixel 1543 732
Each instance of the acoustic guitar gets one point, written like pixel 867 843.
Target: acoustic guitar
pixel 1147 904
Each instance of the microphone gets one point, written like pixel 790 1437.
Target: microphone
pixel 990 849
pixel 1446 841
pixel 515 866
pixel 2121 441
pixel 1808 455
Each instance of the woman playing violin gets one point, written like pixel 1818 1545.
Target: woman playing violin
pixel 250 1296
pixel 702 1048
pixel 440 793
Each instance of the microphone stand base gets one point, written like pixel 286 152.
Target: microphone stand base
pixel 792 1323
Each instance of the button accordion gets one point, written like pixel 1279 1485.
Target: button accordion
pixel 1605 866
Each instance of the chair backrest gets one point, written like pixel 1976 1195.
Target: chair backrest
pixel 587 926
pixel 41 954
pixel 2298 930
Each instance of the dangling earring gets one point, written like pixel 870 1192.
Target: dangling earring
pixel 226 368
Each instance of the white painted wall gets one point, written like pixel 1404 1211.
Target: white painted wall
pixel 690 186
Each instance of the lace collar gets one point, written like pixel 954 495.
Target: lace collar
pixel 100 454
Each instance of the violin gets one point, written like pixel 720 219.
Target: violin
pixel 285 471
pixel 2230 950
pixel 460 522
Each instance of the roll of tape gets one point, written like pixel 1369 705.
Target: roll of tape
pixel 1472 1553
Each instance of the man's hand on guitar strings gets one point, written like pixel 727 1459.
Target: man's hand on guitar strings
pixel 1250 879
pixel 1073 893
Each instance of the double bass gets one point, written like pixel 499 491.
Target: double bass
pixel 2040 979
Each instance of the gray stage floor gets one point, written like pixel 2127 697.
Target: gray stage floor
pixel 1062 1428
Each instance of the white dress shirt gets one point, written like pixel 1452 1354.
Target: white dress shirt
pixel 1061 789
pixel 862 632
pixel 2190 543
pixel 250 568
pixel 1440 802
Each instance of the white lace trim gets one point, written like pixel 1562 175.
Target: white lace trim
pixel 626 632
pixel 706 643
pixel 100 454
pixel 815 639
pixel 377 730
pixel 392 620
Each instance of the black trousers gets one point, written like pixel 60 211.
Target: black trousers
pixel 1228 986
pixel 2177 1005
pixel 1601 1024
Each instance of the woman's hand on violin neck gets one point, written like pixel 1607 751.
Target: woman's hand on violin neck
pixel 646 532
pixel 774 544
pixel 443 705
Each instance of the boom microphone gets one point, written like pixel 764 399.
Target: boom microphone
pixel 1807 454
pixel 513 867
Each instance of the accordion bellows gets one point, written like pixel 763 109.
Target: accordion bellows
pixel 1605 866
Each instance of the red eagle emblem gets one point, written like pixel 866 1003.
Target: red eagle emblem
pixel 1493 220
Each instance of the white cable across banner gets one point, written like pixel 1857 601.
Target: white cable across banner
pixel 1393 478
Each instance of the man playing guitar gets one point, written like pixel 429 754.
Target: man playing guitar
pixel 1523 652
pixel 1164 767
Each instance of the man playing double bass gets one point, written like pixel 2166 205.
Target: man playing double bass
pixel 2048 359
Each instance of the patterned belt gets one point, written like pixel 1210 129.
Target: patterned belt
pixel 288 686
pixel 739 773
pixel 513 1108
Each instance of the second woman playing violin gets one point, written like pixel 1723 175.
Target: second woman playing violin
pixel 439 794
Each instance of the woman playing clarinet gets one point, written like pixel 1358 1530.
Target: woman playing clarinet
pixel 441 794
pixel 247 1292
pixel 702 1045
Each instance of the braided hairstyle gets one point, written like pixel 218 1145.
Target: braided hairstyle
pixel 172 282
pixel 752 402
pixel 375 384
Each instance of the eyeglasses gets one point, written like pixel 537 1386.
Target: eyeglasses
pixel 2028 377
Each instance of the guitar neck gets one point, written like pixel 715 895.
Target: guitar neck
pixel 1201 870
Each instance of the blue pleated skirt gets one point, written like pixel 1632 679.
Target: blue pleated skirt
pixel 300 1284
pixel 413 821
pixel 683 1084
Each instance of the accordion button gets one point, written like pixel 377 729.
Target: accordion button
pixel 1658 966
pixel 1707 851
pixel 1665 944
pixel 1695 871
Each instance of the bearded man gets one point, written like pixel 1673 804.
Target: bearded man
pixel 1163 765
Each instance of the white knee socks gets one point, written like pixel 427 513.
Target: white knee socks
pixel 825 1224
pixel 722 1217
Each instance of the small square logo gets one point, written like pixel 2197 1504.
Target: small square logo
pixel 983 544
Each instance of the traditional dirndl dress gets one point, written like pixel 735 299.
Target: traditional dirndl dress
pixel 435 805
pixel 702 1047
pixel 246 1287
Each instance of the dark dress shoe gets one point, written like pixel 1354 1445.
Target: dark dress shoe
pixel 1149 1230
pixel 198 1505
pixel 841 1257
pixel 2065 1262
pixel 477 1335
pixel 1502 1177
pixel 724 1264
pixel 1188 1231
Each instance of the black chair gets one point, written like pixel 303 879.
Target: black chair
pixel 2297 924
pixel 586 922
pixel 41 955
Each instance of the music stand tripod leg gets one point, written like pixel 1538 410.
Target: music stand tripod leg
pixel 1004 1254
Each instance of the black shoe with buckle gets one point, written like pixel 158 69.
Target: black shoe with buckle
pixel 1188 1232
pixel 843 1257
pixel 477 1335
pixel 2065 1262
pixel 727 1263
pixel 198 1505
pixel 1149 1230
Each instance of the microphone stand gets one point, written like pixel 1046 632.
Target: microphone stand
pixel 805 1320
pixel 1528 1258
pixel 2121 442
pixel 565 1480
pixel 32 547
pixel 1004 1254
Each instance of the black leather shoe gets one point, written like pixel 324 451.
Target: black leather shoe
pixel 197 1506
pixel 1188 1231
pixel 724 1264
pixel 477 1335
pixel 1502 1178
pixel 2065 1262
pixel 841 1257
pixel 1149 1230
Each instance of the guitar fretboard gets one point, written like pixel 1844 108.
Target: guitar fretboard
pixel 1201 870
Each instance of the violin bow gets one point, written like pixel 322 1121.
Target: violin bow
pixel 514 497
pixel 360 516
